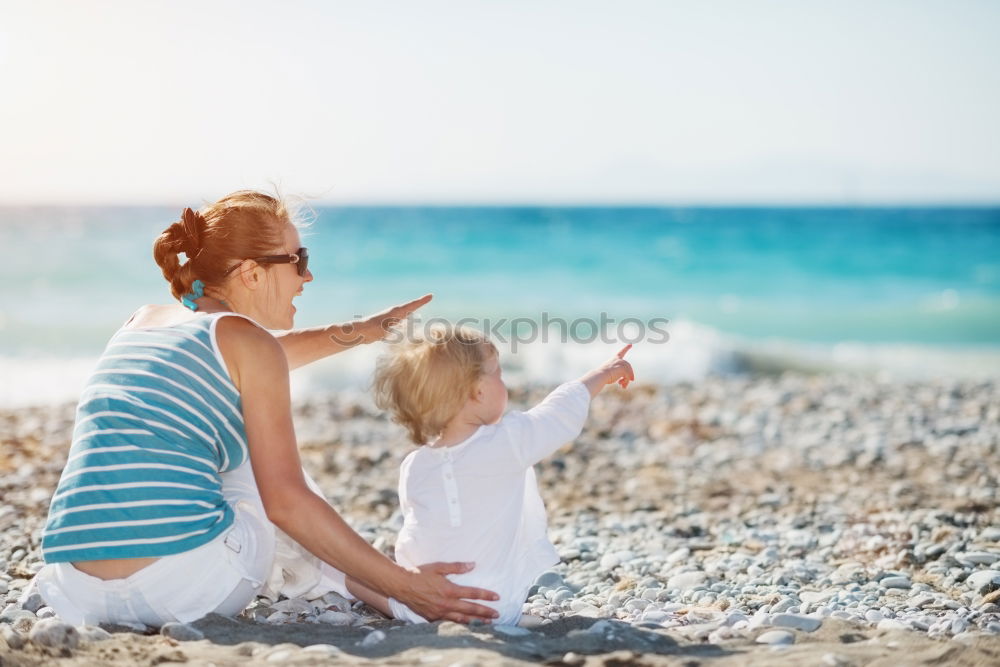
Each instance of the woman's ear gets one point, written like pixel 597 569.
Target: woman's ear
pixel 252 275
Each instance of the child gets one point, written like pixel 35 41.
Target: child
pixel 469 493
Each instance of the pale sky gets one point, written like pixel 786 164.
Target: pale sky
pixel 504 101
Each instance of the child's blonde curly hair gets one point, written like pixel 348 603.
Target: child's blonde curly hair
pixel 424 381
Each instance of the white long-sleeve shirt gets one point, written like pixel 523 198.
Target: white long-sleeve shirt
pixel 478 501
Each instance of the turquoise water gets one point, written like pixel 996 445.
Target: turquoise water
pixel 801 280
pixel 928 276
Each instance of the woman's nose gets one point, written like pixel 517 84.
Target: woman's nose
pixel 308 277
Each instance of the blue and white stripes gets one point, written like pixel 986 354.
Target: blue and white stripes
pixel 157 422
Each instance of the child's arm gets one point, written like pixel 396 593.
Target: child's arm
pixel 559 419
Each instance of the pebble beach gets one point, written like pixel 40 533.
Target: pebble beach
pixel 742 520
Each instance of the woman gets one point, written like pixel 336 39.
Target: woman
pixel 184 461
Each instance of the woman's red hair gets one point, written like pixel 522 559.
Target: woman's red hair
pixel 240 225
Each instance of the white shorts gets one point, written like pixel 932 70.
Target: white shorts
pixel 223 576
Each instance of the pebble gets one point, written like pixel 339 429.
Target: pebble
pixel 182 632
pixel 891 624
pixel 896 582
pixel 610 561
pixel 512 630
pixel 984 581
pixel 677 555
pixel 686 580
pixel 282 654
pixel 796 622
pixel 11 636
pixel 581 608
pixel 278 617
pixel 561 595
pixel 814 597
pixel 776 638
pixel 979 557
pixel 969 638
pixel 54 633
pixel 45 612
pixel 735 617
pixel 336 602
pixel 698 631
pixel 549 579
pixel 601 628
pixel 372 638
pixel 653 594
pixel 293 606
pixel 636 606
pixel 12 615
pixel 655 617
pixel 782 605
pixel 326 650
pixel 92 633
pixel 722 634
pixel 265 651
pixel 277 653
pixel 332 617
pixel 31 602
pixel 760 618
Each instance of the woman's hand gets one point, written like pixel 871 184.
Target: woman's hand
pixel 304 346
pixel 376 327
pixel 433 596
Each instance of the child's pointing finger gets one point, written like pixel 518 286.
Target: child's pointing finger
pixel 623 351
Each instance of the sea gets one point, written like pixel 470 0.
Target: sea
pixel 910 292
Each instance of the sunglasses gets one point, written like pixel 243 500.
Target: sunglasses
pixel 300 259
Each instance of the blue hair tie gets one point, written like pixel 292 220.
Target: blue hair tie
pixel 197 291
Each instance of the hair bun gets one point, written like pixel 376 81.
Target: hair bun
pixel 193 225
pixel 243 224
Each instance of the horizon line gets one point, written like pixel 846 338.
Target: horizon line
pixel 541 203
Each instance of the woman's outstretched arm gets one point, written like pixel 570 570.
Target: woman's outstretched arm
pixel 260 371
pixel 304 346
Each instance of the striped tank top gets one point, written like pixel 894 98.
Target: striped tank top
pixel 157 422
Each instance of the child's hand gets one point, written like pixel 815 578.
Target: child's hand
pixel 615 369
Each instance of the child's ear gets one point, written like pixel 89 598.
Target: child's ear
pixel 477 392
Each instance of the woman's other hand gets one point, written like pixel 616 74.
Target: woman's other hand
pixel 433 596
